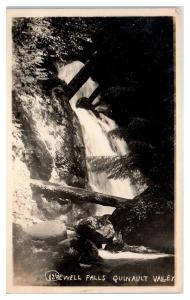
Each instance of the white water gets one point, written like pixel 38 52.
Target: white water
pixel 97 141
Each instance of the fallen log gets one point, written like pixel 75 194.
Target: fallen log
pixel 63 192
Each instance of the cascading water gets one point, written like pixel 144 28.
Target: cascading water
pixel 97 140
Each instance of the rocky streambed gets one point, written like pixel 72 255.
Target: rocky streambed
pixel 49 253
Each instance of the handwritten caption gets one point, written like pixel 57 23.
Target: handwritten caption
pixel 53 275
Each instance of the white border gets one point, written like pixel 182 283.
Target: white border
pixel 176 13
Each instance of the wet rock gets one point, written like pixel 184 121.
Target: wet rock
pixel 103 108
pixel 120 246
pixel 97 229
pixel 50 231
pixel 76 253
pixel 71 233
pixel 84 103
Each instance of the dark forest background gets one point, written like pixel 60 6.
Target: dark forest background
pixel 134 70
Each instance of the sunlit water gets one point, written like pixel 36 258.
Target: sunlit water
pixel 97 140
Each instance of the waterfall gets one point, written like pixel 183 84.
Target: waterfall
pixel 97 140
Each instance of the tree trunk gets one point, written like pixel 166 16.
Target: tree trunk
pixel 51 190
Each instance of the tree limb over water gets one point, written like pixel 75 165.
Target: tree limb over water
pixel 52 190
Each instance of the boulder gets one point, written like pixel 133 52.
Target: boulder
pixel 67 246
pixel 97 229
pixel 51 231
pixel 149 222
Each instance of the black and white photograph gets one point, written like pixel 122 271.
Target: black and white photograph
pixel 93 194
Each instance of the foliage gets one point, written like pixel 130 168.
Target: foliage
pixel 29 57
pixel 141 157
pixel 41 44
pixel 149 221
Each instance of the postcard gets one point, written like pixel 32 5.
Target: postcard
pixel 94 161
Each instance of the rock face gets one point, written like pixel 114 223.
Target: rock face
pixel 47 145
pixel 52 138
pixel 70 156
pixel 25 209
pixel 51 231
pixel 150 222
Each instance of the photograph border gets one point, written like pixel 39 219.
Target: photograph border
pixel 177 14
